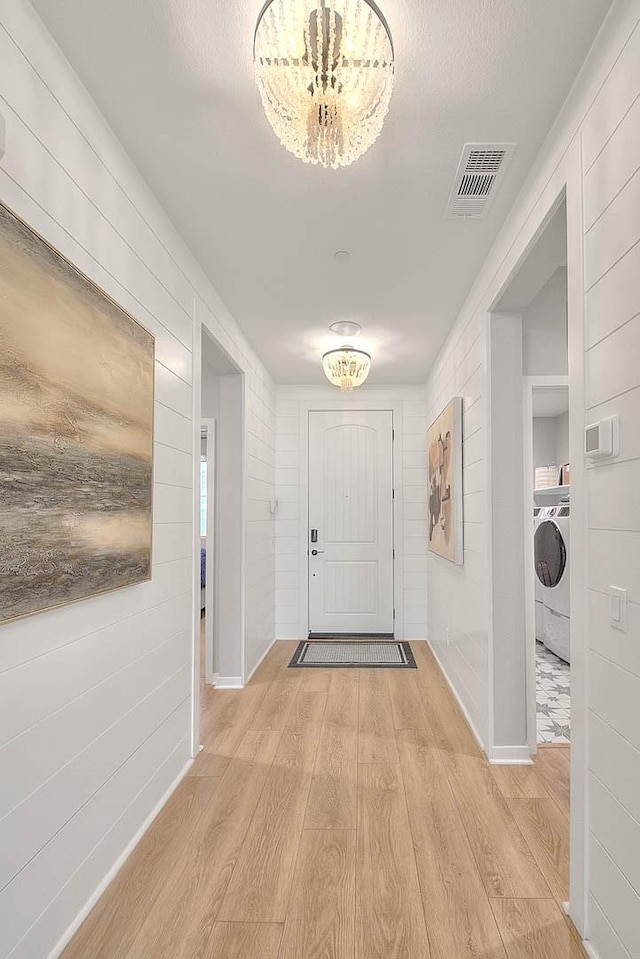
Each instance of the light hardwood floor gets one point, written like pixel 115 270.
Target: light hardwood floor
pixel 345 814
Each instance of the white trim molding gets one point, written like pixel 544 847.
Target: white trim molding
pixel 510 755
pixel 71 930
pixel 262 658
pixel 462 706
pixel 230 682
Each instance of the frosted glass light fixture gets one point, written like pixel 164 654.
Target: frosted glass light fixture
pixel 346 368
pixel 324 69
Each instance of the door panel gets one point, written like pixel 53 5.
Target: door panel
pixel 351 507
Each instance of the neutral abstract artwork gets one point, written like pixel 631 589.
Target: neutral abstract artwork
pixel 76 432
pixel 445 483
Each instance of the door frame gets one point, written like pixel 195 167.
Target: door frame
pixel 564 183
pixel 529 385
pixel 208 428
pixel 355 402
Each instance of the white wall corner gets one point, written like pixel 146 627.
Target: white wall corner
pixel 590 951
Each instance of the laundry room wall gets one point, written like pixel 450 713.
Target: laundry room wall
pixel 96 698
pixel 600 126
pixel 292 402
pixel 551 440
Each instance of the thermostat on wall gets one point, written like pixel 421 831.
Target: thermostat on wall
pixel 601 438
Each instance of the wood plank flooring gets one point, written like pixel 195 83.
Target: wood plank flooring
pixel 345 814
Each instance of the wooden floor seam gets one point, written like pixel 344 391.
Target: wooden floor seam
pixel 345 814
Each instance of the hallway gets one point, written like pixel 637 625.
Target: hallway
pixel 342 814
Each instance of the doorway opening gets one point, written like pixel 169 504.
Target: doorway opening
pixel 350 553
pixel 220 535
pixel 531 395
pixel 547 439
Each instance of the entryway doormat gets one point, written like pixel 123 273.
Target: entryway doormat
pixel 325 654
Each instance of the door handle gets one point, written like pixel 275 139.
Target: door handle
pixel 314 552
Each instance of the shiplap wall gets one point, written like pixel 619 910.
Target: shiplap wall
pixel 95 698
pixel 458 628
pixel 410 446
pixel 603 113
pixel 611 165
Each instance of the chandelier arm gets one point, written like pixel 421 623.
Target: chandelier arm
pixel 370 3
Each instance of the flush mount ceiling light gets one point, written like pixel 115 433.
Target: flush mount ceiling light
pixel 324 69
pixel 346 368
pixel 345 328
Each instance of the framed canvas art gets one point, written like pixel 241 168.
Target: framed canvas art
pixel 445 483
pixel 76 432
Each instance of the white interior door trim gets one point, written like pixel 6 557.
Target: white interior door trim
pixel 357 403
pixel 529 385
pixel 211 604
pixel 565 181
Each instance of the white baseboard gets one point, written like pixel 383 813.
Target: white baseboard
pixel 462 706
pixel 510 756
pixel 229 682
pixel 71 930
pixel 263 657
pixel 590 951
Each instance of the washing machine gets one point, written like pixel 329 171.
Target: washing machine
pixel 551 549
pixel 538 515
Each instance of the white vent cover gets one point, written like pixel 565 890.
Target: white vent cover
pixel 481 167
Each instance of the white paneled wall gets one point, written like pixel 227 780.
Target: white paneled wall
pixel 292 406
pixel 611 157
pixel 95 698
pixel 458 629
pixel 600 124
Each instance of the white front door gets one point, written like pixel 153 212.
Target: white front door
pixel 351 521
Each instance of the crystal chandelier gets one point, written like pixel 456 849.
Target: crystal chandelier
pixel 346 367
pixel 324 69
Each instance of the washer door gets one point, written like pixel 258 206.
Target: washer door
pixel 550 553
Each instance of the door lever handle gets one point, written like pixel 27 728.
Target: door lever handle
pixel 314 552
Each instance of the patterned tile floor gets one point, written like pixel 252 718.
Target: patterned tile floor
pixel 553 697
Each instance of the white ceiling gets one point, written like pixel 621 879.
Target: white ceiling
pixel 174 78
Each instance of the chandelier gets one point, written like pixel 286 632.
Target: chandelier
pixel 324 69
pixel 346 368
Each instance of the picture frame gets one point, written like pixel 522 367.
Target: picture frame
pixel 77 390
pixel 445 521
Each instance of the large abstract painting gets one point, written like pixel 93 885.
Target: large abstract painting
pixel 76 432
pixel 445 483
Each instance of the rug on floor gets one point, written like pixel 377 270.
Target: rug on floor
pixel 553 697
pixel 355 655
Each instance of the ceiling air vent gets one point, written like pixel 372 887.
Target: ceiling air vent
pixel 481 167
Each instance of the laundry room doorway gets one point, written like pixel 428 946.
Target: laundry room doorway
pixel 547 474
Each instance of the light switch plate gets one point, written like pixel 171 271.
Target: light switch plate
pixel 619 608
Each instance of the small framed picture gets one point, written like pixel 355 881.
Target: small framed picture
pixel 444 491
